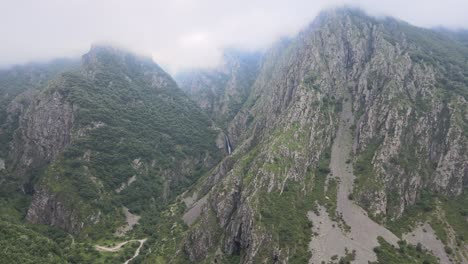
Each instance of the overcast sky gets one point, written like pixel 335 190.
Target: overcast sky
pixel 182 34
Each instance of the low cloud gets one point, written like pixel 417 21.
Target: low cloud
pixel 182 34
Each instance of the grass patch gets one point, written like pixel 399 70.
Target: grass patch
pixel 363 168
pixel 456 213
pixel 428 208
pixel 405 253
pixel 285 216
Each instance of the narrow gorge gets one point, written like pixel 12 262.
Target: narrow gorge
pixel 344 143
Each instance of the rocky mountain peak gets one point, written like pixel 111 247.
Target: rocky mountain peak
pixel 111 56
pixel 353 99
pixel 340 142
pixel 112 63
pixel 99 53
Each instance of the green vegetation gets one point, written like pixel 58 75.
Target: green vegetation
pixel 326 198
pixel 442 213
pixel 348 258
pixel 331 104
pixel 27 243
pixel 17 80
pixel 130 128
pixel 22 245
pixel 319 176
pixel 285 216
pixel 331 196
pixel 124 125
pixel 127 126
pixel 164 231
pixel 447 55
pixel 310 82
pixel 456 213
pixel 420 212
pixel 405 253
pixel 86 253
pixel 246 163
pixel 293 138
pixel 366 179
pixel 13 204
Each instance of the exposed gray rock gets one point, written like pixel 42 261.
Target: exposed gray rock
pixel 194 211
pixel 291 117
pixel 130 219
pixel 48 209
pixel 45 129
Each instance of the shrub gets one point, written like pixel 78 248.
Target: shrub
pixel 448 250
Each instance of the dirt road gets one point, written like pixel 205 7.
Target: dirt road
pixel 120 245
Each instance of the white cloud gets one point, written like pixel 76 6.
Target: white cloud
pixel 182 33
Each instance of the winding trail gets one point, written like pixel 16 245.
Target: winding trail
pixel 362 238
pixel 137 251
pixel 120 245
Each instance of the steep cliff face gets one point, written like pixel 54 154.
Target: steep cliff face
pixel 408 117
pixel 48 209
pixel 44 130
pixel 405 90
pixel 222 91
pixel 17 87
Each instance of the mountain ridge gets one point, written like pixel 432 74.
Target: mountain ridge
pixel 57 142
pixel 355 129
pixel 343 51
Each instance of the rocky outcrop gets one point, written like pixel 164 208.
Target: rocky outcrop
pixel 18 86
pixel 44 130
pixel 48 209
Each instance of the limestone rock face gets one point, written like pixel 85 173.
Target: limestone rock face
pixel 48 209
pixel 45 129
pixel 409 132
pixel 18 87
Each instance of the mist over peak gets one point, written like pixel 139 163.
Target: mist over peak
pixel 182 35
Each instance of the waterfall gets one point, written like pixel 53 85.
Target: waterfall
pixel 228 144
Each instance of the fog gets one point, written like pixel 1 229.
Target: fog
pixel 181 34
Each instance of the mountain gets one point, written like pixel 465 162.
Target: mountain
pixel 119 117
pixel 346 143
pixel 17 80
pixel 353 131
pixel 222 91
pixel 115 132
